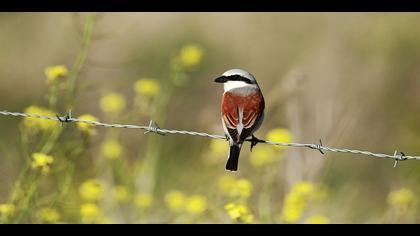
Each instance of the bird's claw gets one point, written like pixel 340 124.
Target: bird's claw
pixel 254 142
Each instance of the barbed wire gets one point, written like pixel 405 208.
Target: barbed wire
pixel 154 128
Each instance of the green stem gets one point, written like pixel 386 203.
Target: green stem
pixel 81 58
pixel 17 190
pixel 51 141
pixel 48 146
pixel 27 202
pixel 53 96
pixel 74 73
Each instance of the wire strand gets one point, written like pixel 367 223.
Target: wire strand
pixel 154 128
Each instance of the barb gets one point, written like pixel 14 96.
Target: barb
pixel 399 157
pixel 65 119
pixel 154 128
pixel 318 147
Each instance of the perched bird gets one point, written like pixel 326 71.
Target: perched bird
pixel 242 111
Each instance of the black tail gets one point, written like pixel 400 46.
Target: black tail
pixel 232 162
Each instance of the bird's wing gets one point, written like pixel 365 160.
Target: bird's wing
pixel 252 113
pixel 231 121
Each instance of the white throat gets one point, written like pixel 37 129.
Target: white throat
pixel 230 85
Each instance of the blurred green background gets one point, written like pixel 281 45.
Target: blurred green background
pixel 350 79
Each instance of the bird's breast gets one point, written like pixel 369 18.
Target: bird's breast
pixel 233 103
pixel 232 100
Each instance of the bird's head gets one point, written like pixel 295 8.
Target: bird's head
pixel 236 78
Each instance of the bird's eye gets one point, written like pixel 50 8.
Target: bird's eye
pixel 248 81
pixel 240 78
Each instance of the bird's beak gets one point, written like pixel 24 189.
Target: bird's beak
pixel 221 79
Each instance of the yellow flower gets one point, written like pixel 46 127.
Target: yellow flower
pixel 144 200
pixel 317 219
pixel 85 127
pixel 280 135
pixel 175 200
pixel 42 161
pixel 121 194
pixel 35 124
pixel 90 212
pixel 91 190
pixel 54 72
pixel 112 103
pixel 219 147
pixel 243 188
pixel 226 184
pixel 7 210
pixel 112 149
pixel 297 200
pixel 304 188
pixel 401 199
pixel 49 215
pixel 196 204
pixel 190 56
pixel 147 87
pixel 291 213
pixel 240 213
pixel 263 156
pixel 235 188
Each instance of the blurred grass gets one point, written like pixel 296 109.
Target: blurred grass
pixel 348 78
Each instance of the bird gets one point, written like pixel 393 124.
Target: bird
pixel 242 111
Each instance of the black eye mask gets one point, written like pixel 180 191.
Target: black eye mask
pixel 224 79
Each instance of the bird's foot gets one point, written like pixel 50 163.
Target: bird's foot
pixel 254 142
